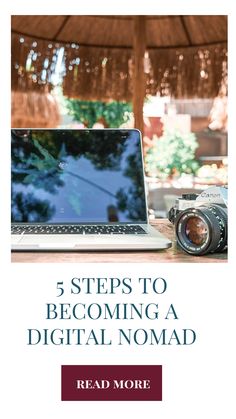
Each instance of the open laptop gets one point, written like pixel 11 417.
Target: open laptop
pixel 79 190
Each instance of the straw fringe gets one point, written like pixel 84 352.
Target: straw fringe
pixel 94 73
pixel 34 110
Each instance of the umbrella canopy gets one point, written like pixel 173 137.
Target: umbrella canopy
pixel 117 31
pixel 120 57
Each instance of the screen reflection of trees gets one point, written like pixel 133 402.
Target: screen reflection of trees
pixel 37 159
pixel 26 207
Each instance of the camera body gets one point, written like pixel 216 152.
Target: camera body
pixel 201 221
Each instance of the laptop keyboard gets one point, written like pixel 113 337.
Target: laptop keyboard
pixel 77 229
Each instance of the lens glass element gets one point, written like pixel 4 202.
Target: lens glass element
pixel 196 231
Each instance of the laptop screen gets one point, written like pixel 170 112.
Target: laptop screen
pixel 77 176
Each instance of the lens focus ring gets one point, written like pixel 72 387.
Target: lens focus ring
pixel 202 230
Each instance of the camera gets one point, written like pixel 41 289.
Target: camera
pixel 201 221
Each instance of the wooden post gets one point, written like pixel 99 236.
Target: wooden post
pixel 139 81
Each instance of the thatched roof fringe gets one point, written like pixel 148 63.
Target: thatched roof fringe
pixel 30 71
pixel 34 109
pixel 195 72
pixel 92 73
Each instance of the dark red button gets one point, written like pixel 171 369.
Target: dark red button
pixel 111 382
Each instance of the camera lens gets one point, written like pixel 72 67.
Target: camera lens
pixel 202 230
pixel 196 230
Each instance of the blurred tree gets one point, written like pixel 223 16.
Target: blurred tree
pixel 172 154
pixel 111 114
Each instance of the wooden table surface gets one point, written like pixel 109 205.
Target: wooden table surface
pixel 171 255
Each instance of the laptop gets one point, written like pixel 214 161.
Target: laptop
pixel 79 189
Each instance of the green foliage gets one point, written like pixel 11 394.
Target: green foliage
pixel 172 154
pixel 112 114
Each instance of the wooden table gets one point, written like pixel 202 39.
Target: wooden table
pixel 171 255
